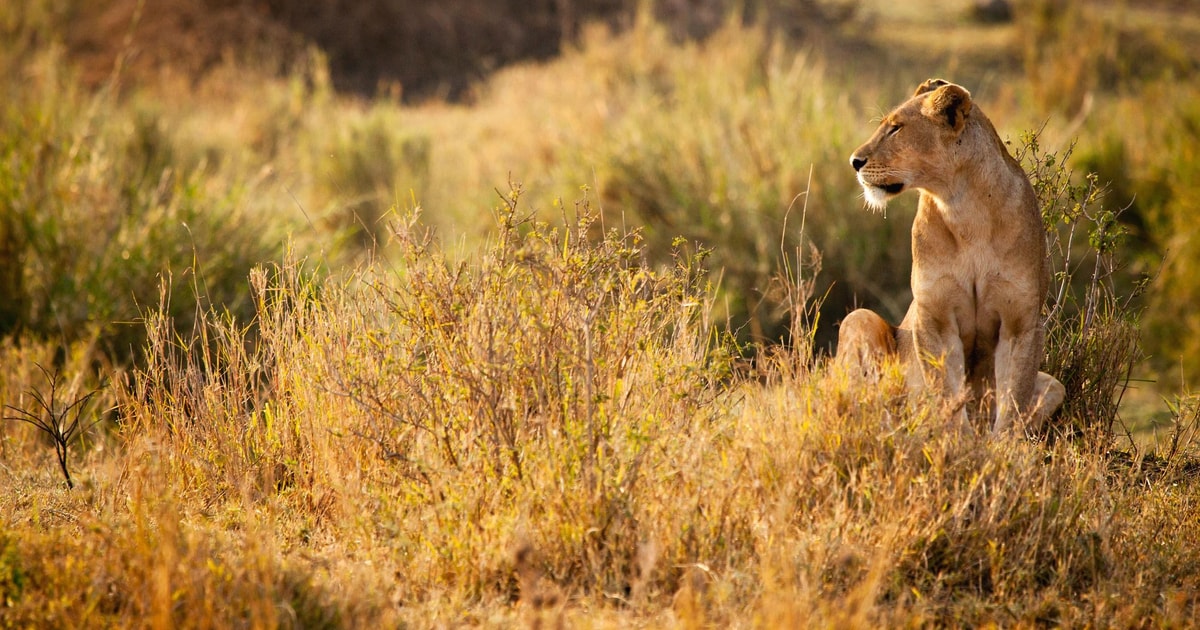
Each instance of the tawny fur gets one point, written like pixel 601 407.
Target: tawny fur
pixel 980 271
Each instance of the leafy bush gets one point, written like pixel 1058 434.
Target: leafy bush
pixel 1073 50
pixel 369 164
pixel 96 208
pixel 1092 342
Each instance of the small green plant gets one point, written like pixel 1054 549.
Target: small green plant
pixel 58 420
pixel 1184 433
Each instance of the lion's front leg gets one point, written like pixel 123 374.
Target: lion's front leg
pixel 1018 355
pixel 933 355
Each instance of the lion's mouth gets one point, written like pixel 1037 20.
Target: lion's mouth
pixel 893 189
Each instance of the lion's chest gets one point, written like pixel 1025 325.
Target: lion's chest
pixel 968 294
pixel 970 286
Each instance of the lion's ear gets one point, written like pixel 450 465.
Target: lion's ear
pixel 930 85
pixel 950 103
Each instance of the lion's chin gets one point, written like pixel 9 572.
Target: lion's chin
pixel 877 196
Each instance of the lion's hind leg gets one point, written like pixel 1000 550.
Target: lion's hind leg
pixel 1048 395
pixel 864 339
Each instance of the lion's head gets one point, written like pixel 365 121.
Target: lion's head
pixel 915 145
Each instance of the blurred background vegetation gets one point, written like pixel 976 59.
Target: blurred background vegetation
pixel 178 144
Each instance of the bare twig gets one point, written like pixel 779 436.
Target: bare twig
pixel 61 423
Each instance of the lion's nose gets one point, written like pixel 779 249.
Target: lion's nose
pixel 857 162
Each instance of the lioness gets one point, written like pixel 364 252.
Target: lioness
pixel 980 271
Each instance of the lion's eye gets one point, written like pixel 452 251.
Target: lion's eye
pixel 892 131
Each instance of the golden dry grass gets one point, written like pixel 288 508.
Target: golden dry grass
pixel 549 431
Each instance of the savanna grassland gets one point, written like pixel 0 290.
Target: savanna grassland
pixel 543 343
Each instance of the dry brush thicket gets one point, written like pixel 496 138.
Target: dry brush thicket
pixel 550 429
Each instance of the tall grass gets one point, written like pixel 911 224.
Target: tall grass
pixel 546 430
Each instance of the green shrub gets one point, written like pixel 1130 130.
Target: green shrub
pixel 97 206
pixel 1073 50
pixel 1092 342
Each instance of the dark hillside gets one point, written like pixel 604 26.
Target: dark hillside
pixel 425 48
